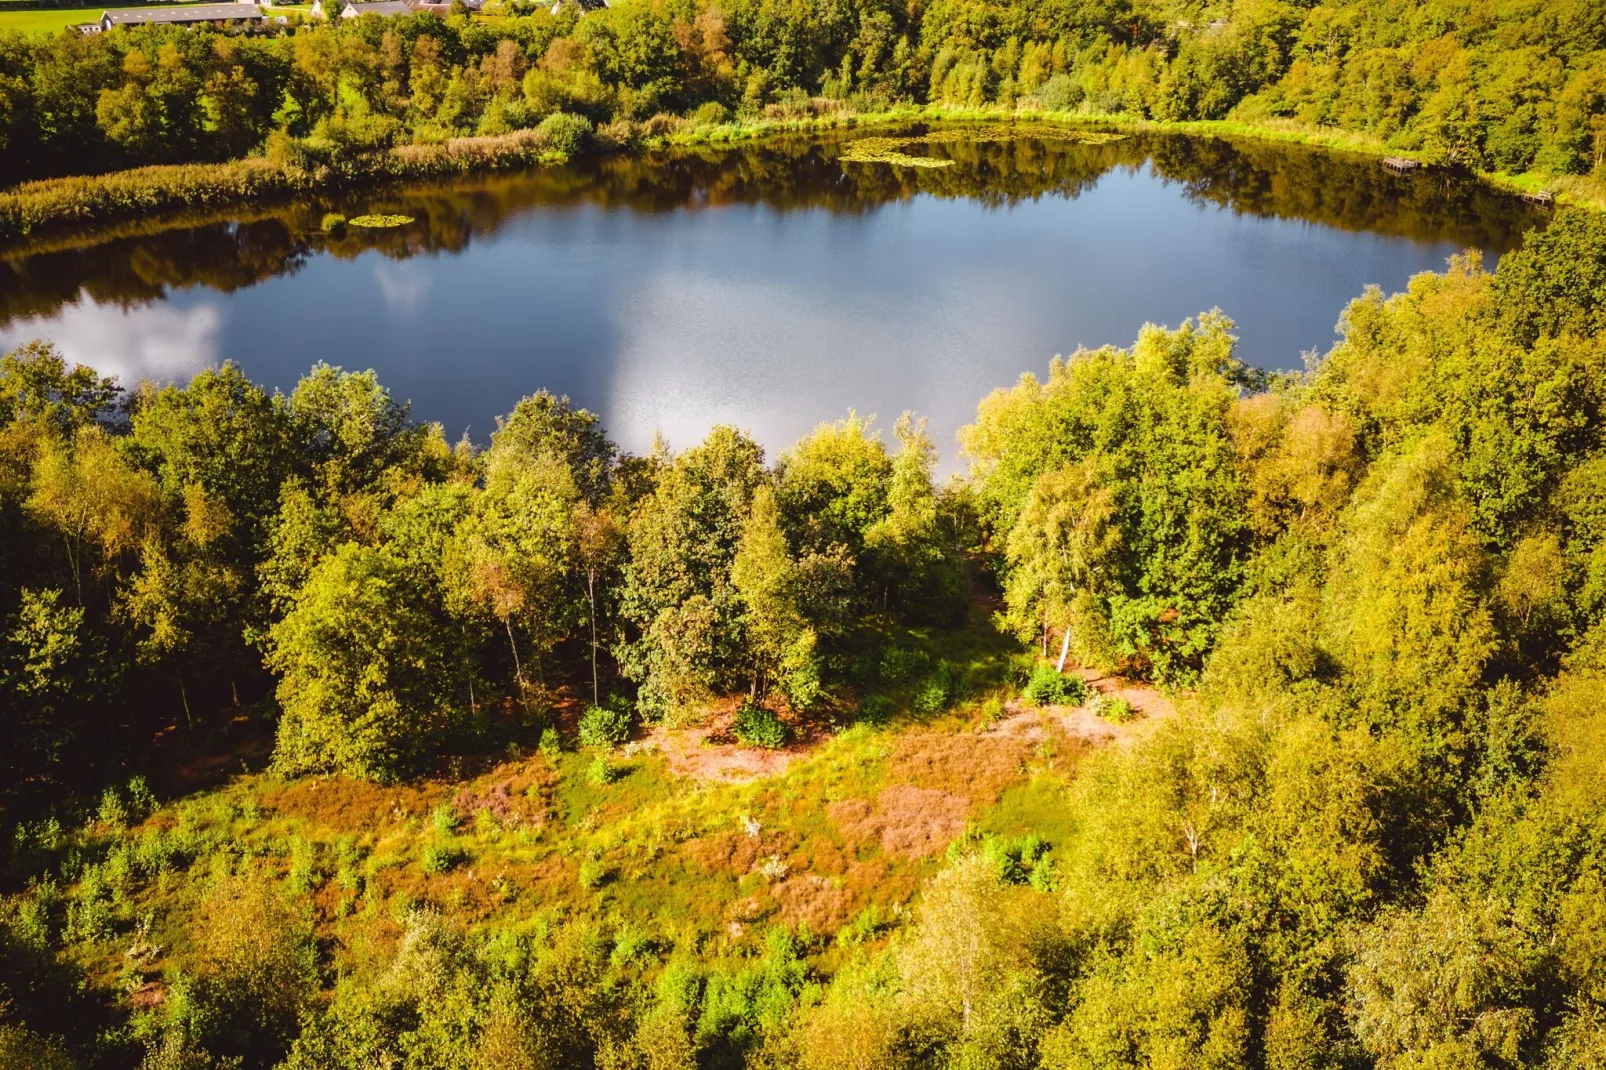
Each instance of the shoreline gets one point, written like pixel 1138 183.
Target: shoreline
pixel 52 213
pixel 1570 190
pixel 72 208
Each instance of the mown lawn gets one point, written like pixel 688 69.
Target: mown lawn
pixel 57 19
pixel 41 22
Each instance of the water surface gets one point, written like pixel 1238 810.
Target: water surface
pixel 769 286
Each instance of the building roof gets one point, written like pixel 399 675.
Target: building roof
pixel 195 13
pixel 442 7
pixel 379 7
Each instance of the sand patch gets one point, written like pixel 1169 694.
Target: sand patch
pixel 1033 724
pixel 709 751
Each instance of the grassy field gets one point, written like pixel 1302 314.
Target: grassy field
pixel 44 22
pixel 57 19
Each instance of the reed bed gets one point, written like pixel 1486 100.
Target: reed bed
pixel 96 201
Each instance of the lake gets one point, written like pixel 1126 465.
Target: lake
pixel 770 286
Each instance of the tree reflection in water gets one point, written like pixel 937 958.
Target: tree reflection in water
pixel 142 264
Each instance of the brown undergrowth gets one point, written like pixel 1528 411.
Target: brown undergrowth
pixel 691 836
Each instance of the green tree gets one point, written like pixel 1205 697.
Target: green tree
pixel 368 683
pixel 95 500
pixel 907 546
pixel 762 575
pixel 1058 549
pixel 676 591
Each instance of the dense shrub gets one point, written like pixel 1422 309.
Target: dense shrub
pixel 565 133
pixel 444 818
pixel 1112 708
pixel 1020 860
pixel 992 709
pixel 758 726
pixel 442 857
pixel 1049 687
pixel 1060 93
pixel 602 772
pixel 711 114
pixel 875 709
pixel 900 663
pixel 937 691
pixel 594 872
pixel 604 726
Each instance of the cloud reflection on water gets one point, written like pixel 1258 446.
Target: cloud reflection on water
pixel 159 342
pixel 700 347
pixel 402 285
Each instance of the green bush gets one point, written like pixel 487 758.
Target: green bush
pixel 992 709
pixel 565 133
pixel 550 746
pixel 90 914
pixel 1048 687
pixel 305 874
pixel 711 114
pixel 1060 93
pixel 757 726
pixel 158 851
pixel 333 222
pixel 1020 860
pixel 865 927
pixel 901 663
pixel 443 857
pixel 937 690
pixel 141 801
pixel 444 818
pixel 593 874
pixel 1112 709
pixel 602 772
pixel 603 726
pixel 112 811
pixel 875 710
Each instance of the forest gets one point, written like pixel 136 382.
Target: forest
pixel 1514 86
pixel 333 743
